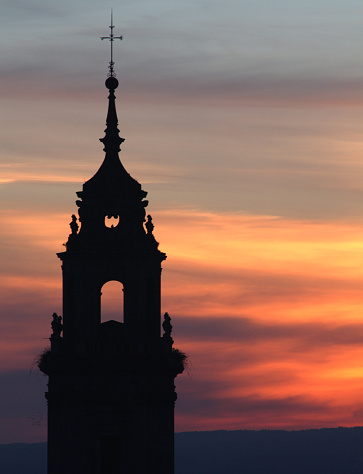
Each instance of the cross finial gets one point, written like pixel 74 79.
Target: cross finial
pixel 112 37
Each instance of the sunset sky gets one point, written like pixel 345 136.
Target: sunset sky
pixel 244 122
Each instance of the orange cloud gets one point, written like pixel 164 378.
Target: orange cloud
pixel 269 310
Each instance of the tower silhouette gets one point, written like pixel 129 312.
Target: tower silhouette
pixel 111 390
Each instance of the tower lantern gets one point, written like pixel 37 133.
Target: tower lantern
pixel 111 390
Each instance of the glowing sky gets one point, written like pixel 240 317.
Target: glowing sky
pixel 243 121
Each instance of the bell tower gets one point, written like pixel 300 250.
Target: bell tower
pixel 111 390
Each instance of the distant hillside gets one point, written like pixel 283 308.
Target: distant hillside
pixel 330 450
pixel 24 458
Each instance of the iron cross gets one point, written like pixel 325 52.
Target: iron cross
pixel 112 37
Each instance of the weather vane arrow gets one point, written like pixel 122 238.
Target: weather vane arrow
pixel 111 37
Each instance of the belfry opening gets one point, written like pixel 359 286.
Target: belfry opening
pixel 112 302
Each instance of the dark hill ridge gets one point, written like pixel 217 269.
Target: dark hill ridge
pixel 328 450
pixel 23 458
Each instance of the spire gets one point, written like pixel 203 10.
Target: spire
pixel 112 140
pixel 111 176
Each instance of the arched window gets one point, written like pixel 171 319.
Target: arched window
pixel 112 302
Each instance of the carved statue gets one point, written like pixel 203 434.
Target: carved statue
pixel 149 225
pixel 73 225
pixel 167 325
pixel 57 325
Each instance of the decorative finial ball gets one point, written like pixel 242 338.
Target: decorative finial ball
pixel 111 83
